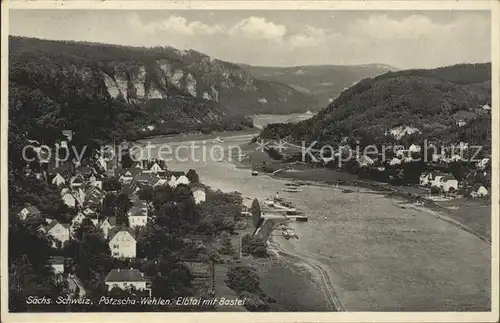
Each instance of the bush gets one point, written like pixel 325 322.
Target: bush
pixel 243 278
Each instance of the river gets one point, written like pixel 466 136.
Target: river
pixel 378 255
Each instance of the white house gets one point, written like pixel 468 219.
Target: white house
pixel 155 168
pixel 182 180
pixel 364 161
pixel 448 183
pixel 161 182
pixel 122 242
pixel 125 279
pixel 486 107
pixel 395 161
pixel 138 215
pixel 69 199
pixel 481 191
pixel 436 179
pixel 58 180
pixel 425 179
pixel 57 264
pixel 199 194
pixel 28 212
pixel 108 224
pixel 172 182
pixel 59 231
pixel 75 182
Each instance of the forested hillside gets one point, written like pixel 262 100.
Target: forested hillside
pixel 432 101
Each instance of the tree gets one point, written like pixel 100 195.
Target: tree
pixel 146 193
pixel 111 184
pixel 122 205
pixel 256 212
pixel 254 246
pixel 192 176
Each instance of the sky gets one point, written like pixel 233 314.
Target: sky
pixel 403 39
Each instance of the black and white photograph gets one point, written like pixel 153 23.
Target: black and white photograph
pixel 250 160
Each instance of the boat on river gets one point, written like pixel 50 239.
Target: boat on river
pixel 292 189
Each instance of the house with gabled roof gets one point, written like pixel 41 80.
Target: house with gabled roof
pixel 145 179
pixel 58 180
pixel 155 168
pixel 126 279
pixel 122 242
pixel 108 224
pixel 84 171
pixel 138 215
pixel 425 179
pixel 29 212
pixel 199 194
pixel 436 178
pixel 76 181
pixel 59 231
pixel 57 264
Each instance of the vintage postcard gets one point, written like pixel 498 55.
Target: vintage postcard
pixel 250 161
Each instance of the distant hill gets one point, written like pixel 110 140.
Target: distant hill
pixel 323 82
pixel 430 100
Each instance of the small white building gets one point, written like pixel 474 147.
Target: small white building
pixel 59 231
pixel 29 212
pixel 126 279
pixel 395 161
pixel 481 191
pixel 199 194
pixel 448 183
pixel 486 107
pixel 69 200
pixel 182 180
pixel 122 242
pixel 414 148
pixel 58 180
pixel 172 182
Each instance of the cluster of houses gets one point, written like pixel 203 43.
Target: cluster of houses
pixel 81 189
pixel 449 184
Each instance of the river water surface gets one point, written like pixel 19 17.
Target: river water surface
pixel 378 255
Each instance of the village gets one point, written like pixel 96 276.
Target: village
pixel 84 188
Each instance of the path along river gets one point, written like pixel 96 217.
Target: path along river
pixel 377 255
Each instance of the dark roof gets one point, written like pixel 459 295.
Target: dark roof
pixel 138 210
pixel 124 275
pixel 56 260
pixel 115 230
pixel 112 220
pixel 84 169
pixel 52 224
pixel 33 210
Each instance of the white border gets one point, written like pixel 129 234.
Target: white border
pixel 492 316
